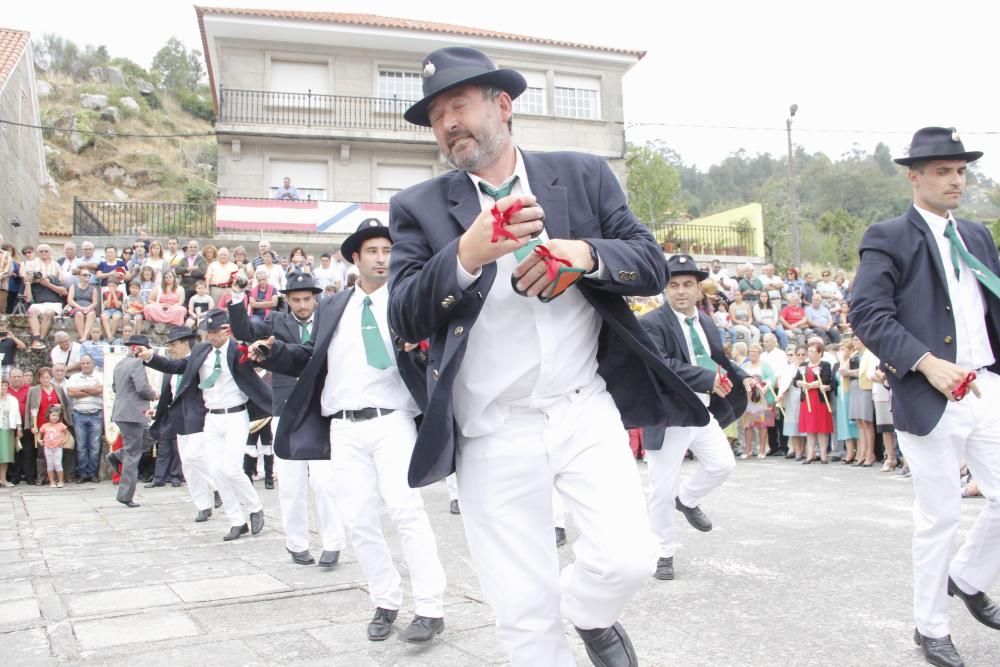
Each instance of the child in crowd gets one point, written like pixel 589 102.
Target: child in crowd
pixel 133 307
pixel 10 430
pixel 113 301
pixel 723 322
pixel 94 346
pixel 199 304
pixel 54 433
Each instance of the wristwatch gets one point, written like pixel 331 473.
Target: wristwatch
pixel 594 257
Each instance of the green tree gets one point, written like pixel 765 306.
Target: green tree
pixel 178 68
pixel 57 54
pixel 653 185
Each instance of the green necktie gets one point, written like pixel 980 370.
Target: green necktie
pixel 304 332
pixel 701 356
pixel 372 338
pixel 177 383
pixel 213 377
pixel 497 193
pixel 988 279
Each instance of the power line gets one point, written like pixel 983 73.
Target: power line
pixel 751 128
pixel 110 135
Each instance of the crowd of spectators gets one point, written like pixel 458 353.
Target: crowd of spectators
pixel 104 299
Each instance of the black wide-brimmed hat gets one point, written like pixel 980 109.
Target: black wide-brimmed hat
pixel 458 66
pixel 368 229
pixel 215 319
pixel 937 143
pixel 180 332
pixel 137 339
pixel 684 265
pixel 300 281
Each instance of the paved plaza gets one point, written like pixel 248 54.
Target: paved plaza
pixel 806 566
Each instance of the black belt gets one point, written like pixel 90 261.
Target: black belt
pixel 364 414
pixel 228 411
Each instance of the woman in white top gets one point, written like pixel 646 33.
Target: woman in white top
pixel 156 260
pixel 767 319
pixel 275 274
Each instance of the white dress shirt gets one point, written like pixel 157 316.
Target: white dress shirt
pixel 224 393
pixel 972 347
pixel 351 384
pixel 682 319
pixel 521 352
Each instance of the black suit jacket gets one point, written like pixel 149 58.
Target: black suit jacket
pixel 165 420
pixel 667 335
pixel 193 417
pixel 582 200
pixel 901 309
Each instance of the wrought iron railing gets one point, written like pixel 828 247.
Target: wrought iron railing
pixel 264 107
pixel 706 239
pixel 159 219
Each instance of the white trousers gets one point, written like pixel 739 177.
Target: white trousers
pixel 558 508
pixel 224 440
pixel 579 446
pixel 969 430
pixel 294 481
pixel 197 471
pixel 370 460
pixel 715 462
pixel 451 481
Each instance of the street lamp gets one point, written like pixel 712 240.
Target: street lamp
pixel 794 200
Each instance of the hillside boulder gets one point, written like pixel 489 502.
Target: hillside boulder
pixel 89 101
pixel 129 105
pixel 44 89
pixel 111 75
pixel 144 87
pixel 111 114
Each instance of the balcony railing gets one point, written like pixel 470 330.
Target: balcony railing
pixel 263 107
pixel 159 219
pixel 706 239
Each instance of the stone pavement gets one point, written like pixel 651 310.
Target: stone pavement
pixel 806 566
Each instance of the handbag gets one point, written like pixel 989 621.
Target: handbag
pixel 70 442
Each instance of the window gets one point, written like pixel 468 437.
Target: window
pixel 392 178
pixel 578 97
pixel 300 77
pixel 309 178
pixel 532 100
pixel 406 86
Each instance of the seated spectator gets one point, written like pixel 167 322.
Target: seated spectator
pixel 262 297
pixel 156 260
pixel 750 286
pixel 275 274
pixel 111 264
pixel 132 307
pixel 84 300
pixel 88 259
pixel 821 320
pixel 793 319
pixel 793 284
pixel 95 345
pixel 166 304
pixel 723 322
pixel 263 246
pixel 772 284
pixel 66 351
pixel 44 291
pixel 220 275
pixel 767 319
pixel 9 345
pixel 287 191
pixel 741 314
pixel 240 259
pixel 137 261
pixel 67 263
pixel 828 289
pixel 297 261
pixel 199 304
pixel 840 318
pixel 147 283
pixel 173 255
pixel 190 268
pixel 127 332
pixel 112 305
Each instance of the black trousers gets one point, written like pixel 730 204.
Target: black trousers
pixel 25 466
pixel 168 463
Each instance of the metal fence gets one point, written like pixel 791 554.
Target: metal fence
pixel 159 219
pixel 706 239
pixel 310 110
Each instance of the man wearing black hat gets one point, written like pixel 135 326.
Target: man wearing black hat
pixel 132 396
pixel 352 406
pixel 183 421
pixel 514 267
pixel 692 345
pixel 295 477
pixel 926 301
pixel 232 394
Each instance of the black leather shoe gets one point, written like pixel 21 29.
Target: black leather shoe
pixel 235 532
pixel 128 503
pixel 113 461
pixel 203 515
pixel 940 652
pixel 78 480
pixel 153 485
pixel 176 485
pixel 218 500
pixel 609 647
pixel 257 521
pixel 268 483
pixel 329 558
pixel 381 626
pixel 301 557
pixel 694 515
pixel 560 536
pixel 422 629
pixel 665 569
pixel 980 605
pixel 454 508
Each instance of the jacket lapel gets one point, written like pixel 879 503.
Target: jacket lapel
pixel 551 197
pixel 197 358
pixel 917 220
pixel 466 207
pixel 675 329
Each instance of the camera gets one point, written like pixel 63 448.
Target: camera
pixel 37 276
pixel 241 281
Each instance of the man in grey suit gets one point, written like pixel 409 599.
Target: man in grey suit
pixel 132 396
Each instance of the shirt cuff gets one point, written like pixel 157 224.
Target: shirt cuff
pixel 914 369
pixel 465 279
pixel 602 269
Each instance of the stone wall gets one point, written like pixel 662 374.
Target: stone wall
pixel 23 169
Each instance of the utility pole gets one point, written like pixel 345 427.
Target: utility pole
pixel 793 195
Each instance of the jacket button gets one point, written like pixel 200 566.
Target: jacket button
pixel 632 275
pixel 448 302
pixel 459 331
pixel 947 340
pixel 435 373
pixel 623 275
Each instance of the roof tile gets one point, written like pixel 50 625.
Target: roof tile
pixel 12 45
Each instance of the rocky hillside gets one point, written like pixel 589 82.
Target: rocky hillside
pixel 109 167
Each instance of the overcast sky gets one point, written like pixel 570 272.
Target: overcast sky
pixel 860 72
